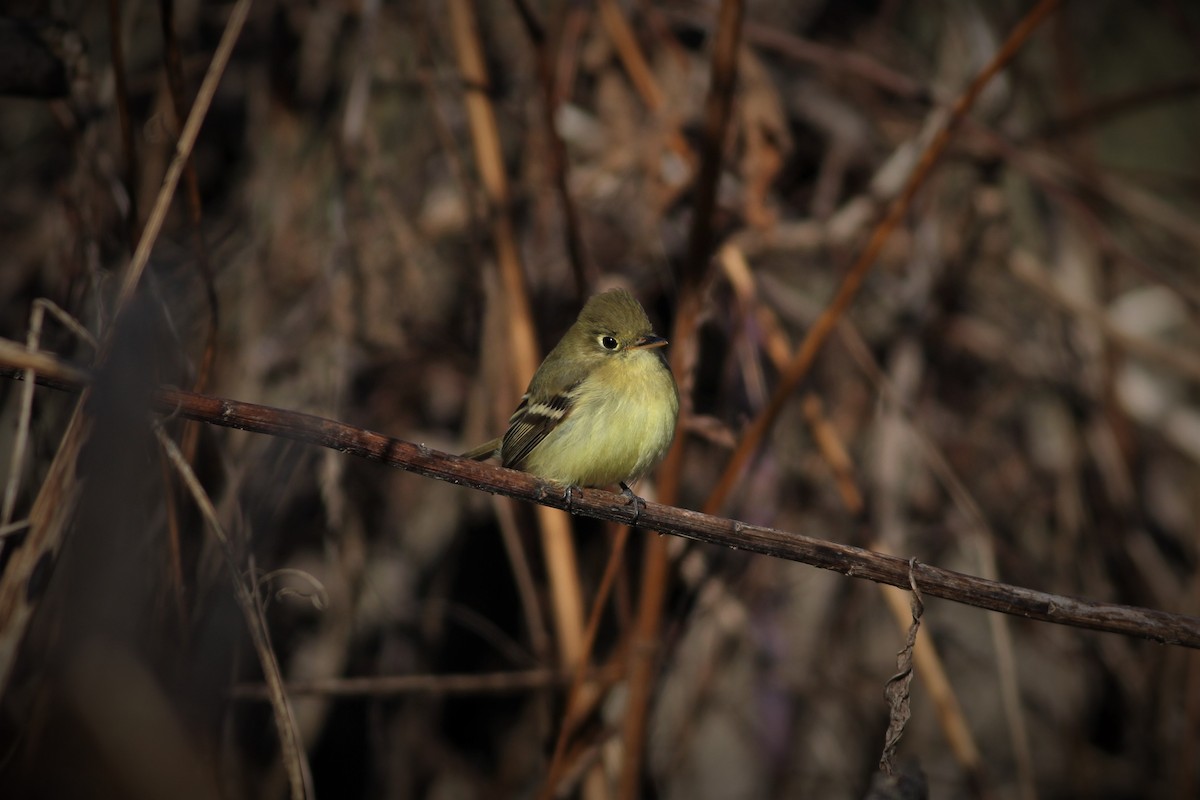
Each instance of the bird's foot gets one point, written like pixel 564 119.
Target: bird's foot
pixel 637 502
pixel 569 498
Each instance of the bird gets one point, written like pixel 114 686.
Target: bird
pixel 601 409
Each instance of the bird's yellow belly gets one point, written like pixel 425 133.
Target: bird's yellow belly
pixel 619 439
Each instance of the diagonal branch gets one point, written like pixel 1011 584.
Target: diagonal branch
pixel 808 349
pixel 855 562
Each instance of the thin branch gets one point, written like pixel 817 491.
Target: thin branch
pixel 1163 627
pixel 557 163
pixel 291 744
pixel 837 60
pixel 573 707
pixel 183 149
pixel 646 636
pixel 173 63
pixel 806 353
pixel 855 562
pixel 557 545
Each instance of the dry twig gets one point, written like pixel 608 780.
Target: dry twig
pixel 1142 623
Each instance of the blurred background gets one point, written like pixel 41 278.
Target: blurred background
pixel 1013 393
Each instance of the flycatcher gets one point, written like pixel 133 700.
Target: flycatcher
pixel 602 407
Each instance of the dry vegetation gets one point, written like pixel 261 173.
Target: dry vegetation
pixel 392 208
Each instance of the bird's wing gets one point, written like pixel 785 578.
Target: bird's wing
pixel 531 423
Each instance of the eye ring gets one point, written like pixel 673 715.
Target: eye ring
pixel 608 342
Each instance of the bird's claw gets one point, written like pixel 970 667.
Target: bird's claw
pixel 637 503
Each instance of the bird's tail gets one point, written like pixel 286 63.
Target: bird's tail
pixel 484 451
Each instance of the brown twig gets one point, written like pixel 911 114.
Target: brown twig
pixel 183 150
pixel 173 61
pixel 527 588
pixel 1057 182
pixel 619 31
pixel 573 705
pixel 556 152
pixel 291 744
pixel 833 58
pixel 644 650
pixel 489 160
pixel 522 574
pixel 559 548
pixel 825 324
pixel 625 42
pixel 174 68
pixel 1141 623
pixel 929 663
pixel 51 513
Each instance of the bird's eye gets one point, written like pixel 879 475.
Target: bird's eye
pixel 608 342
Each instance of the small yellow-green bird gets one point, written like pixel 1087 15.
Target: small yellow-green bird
pixel 602 407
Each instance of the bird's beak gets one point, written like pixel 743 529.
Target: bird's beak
pixel 648 342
